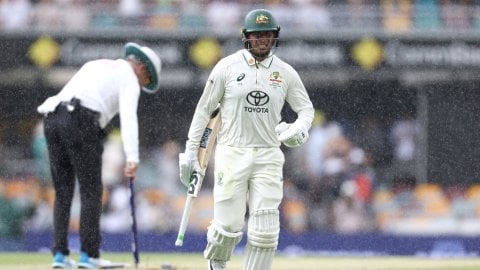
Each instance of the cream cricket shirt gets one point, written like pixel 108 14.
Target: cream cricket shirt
pixel 252 96
pixel 108 87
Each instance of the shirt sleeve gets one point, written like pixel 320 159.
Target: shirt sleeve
pixel 300 102
pixel 211 96
pixel 128 104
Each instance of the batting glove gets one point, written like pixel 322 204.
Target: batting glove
pixel 291 135
pixel 188 163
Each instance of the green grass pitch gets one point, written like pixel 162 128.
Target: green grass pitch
pixel 171 261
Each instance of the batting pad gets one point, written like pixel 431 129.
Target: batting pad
pixel 220 243
pixel 263 231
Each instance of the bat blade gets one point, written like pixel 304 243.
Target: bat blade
pixel 208 139
pixel 204 151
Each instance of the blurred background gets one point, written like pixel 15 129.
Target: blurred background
pixel 392 164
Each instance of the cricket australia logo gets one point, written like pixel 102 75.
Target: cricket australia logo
pixel 275 78
pixel 257 99
pixel 220 179
pixel 262 19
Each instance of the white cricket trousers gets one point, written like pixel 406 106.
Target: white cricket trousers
pixel 246 175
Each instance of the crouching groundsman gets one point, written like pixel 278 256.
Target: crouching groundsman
pixel 251 86
pixel 74 123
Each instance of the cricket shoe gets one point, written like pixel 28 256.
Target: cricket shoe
pixel 217 265
pixel 61 261
pixel 87 262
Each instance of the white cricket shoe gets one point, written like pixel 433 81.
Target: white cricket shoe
pixel 217 265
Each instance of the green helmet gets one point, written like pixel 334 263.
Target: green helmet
pixel 260 20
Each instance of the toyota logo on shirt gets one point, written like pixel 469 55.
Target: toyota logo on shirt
pixel 257 99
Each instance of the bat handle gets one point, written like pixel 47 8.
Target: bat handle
pixel 184 221
pixel 179 242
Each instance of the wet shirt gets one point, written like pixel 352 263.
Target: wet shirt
pixel 109 87
pixel 252 95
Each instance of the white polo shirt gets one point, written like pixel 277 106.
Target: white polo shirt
pixel 108 87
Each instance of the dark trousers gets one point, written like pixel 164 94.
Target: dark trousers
pixel 75 146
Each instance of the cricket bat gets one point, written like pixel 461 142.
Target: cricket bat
pixel 205 149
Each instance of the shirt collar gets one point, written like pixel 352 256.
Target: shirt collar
pixel 251 60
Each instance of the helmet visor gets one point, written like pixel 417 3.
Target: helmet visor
pixel 260 44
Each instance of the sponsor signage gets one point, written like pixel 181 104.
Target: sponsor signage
pixel 369 53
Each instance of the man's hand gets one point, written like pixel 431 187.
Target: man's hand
pixel 188 163
pixel 292 135
pixel 130 169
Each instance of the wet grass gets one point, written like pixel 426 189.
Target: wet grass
pixel 154 261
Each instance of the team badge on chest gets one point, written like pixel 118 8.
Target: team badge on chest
pixel 276 79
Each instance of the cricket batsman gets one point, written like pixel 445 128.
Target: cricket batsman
pixel 252 86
